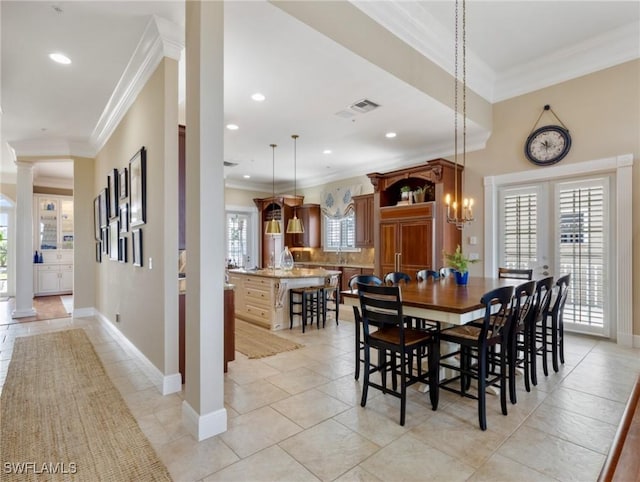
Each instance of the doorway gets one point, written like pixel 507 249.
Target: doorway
pixel 7 258
pixel 241 238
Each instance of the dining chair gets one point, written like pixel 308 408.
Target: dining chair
pixel 476 341
pixel 523 274
pixel 446 272
pixel 520 331
pixel 424 274
pixel 331 297
pixel 381 307
pixel 359 345
pixel 538 338
pixel 396 277
pixel 557 326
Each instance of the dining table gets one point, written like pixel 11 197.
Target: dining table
pixel 442 299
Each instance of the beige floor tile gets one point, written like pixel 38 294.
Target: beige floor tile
pixel 270 464
pixel 298 380
pixel 329 449
pixel 378 428
pixel 582 403
pixel 609 387
pixel 254 431
pixel 346 389
pixel 408 459
pixel 552 456
pixel 310 408
pixel 503 469
pixel 579 429
pixel 335 368
pixel 189 460
pixel 247 371
pixel 358 474
pixel 145 402
pixel 245 398
pixel 289 360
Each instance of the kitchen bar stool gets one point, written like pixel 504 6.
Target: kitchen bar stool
pixel 310 301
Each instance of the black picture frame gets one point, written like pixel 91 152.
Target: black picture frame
pixel 105 241
pixel 138 188
pixel 122 249
pixel 114 234
pixel 97 223
pixel 124 218
pixel 104 206
pixel 136 247
pixel 112 189
pixel 123 186
pixel 99 252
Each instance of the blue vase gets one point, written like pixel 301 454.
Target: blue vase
pixel 462 278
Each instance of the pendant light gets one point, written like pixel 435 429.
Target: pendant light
pixel 273 225
pixel 295 226
pixel 466 216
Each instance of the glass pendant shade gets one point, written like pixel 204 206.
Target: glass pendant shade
pixel 273 227
pixel 294 226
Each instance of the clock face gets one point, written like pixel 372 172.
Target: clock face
pixel 547 145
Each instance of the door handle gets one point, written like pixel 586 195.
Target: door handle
pixel 545 267
pixel 546 273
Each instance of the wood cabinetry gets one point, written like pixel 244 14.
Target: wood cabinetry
pixel 254 299
pixel 413 236
pixel 364 220
pixel 309 214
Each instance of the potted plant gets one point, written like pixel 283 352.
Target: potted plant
pixel 460 263
pixel 405 193
pixel 418 194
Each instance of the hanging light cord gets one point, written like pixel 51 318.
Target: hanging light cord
pixel 295 163
pixel 273 169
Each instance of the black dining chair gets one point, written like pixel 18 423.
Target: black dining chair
pixel 520 331
pixel 359 345
pixel 477 356
pixel 513 273
pixel 381 307
pixel 557 325
pixel 396 277
pixel 425 274
pixel 446 272
pixel 538 338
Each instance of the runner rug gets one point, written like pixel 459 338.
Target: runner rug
pixel 256 342
pixel 63 419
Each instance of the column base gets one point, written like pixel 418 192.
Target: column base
pixel 23 313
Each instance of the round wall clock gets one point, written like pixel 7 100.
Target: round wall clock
pixel 547 145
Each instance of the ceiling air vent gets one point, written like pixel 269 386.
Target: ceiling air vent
pixel 363 106
pixel 230 164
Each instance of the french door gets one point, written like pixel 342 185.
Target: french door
pixel 561 227
pixel 239 240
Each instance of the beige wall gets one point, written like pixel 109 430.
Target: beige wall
pixel 84 273
pixel 139 294
pixel 602 113
pixel 8 190
pixel 312 194
pixel 240 197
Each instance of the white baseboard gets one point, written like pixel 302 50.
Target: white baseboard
pixel 166 384
pixel 23 313
pixel 636 341
pixel 202 427
pixel 83 312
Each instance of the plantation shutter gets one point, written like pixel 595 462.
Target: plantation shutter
pixel 519 230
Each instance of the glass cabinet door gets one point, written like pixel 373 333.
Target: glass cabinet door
pixel 48 211
pixel 66 224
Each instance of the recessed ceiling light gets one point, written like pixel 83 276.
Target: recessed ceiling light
pixel 258 97
pixel 247 176
pixel 327 151
pixel 232 127
pixel 60 58
pixel 390 135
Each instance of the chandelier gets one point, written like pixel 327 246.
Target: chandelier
pixel 465 215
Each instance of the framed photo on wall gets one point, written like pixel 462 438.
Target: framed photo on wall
pixel 112 188
pixel 105 241
pixel 114 233
pixel 136 246
pixel 123 188
pixel 97 223
pixel 104 215
pixel 137 188
pixel 122 249
pixel 124 218
pixel 98 252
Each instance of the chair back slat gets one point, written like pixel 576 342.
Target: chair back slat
pixel 544 290
pixel 563 291
pixel 367 279
pixel 425 274
pixel 497 313
pixel 396 277
pixel 380 306
pixel 523 303
pixel 525 274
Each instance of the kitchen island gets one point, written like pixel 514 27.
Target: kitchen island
pixel 262 295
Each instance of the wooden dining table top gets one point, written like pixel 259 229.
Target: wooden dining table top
pixel 443 300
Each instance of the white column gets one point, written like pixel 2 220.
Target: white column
pixel 24 242
pixel 203 409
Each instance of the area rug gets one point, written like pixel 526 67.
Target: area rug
pixel 62 418
pixel 256 342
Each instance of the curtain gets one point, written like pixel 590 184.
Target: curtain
pixel 336 203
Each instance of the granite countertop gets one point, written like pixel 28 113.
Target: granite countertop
pixel 338 265
pixel 281 273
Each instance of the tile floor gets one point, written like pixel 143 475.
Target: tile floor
pixel 296 416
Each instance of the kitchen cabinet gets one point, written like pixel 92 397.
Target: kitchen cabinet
pixel 50 279
pixel 309 214
pixel 364 220
pixel 281 209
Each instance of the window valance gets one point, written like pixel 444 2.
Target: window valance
pixel 336 203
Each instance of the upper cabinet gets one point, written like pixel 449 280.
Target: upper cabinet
pixel 53 228
pixel 309 214
pixel 363 206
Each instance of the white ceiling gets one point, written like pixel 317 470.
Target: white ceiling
pixel 514 47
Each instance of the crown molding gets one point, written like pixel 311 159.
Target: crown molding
pixel 53 182
pixel 598 53
pixel 161 38
pixel 52 147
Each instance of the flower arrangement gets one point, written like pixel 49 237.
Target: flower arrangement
pixel 458 260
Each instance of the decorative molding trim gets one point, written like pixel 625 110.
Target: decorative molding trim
pixel 202 427
pixel 622 167
pixel 52 147
pixel 161 38
pixel 164 383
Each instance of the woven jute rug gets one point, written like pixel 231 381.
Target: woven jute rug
pixel 256 342
pixel 61 418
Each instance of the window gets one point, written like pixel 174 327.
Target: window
pixel 340 234
pixel 237 242
pixel 519 228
